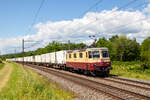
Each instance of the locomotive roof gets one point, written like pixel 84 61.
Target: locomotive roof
pixel 103 48
pixel 88 49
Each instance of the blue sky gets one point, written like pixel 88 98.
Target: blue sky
pixel 66 20
pixel 17 15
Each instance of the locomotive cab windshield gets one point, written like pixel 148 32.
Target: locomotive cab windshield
pixel 98 53
pixel 105 54
pixel 94 54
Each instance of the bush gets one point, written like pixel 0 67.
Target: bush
pixel 0 60
pixel 145 66
pixel 145 54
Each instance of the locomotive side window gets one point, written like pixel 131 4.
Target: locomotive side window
pixel 69 55
pixel 80 55
pixel 75 56
pixel 105 54
pixel 94 54
pixel 86 55
pixel 90 54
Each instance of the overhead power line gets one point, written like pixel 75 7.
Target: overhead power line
pixel 126 25
pixel 129 3
pixel 33 22
pixel 93 6
pixel 36 15
pixel 124 6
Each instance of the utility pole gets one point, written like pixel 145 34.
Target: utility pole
pixel 23 48
pixel 68 44
pixel 23 51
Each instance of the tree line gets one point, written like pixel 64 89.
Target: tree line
pixel 120 48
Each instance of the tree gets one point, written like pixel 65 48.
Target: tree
pixel 103 42
pixel 145 48
pixel 52 47
pixel 126 49
pixel 145 53
pixel 113 38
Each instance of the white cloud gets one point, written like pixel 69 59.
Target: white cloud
pixel 147 9
pixel 103 24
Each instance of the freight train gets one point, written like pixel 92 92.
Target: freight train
pixel 94 61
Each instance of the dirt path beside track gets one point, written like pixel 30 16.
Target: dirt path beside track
pixel 4 75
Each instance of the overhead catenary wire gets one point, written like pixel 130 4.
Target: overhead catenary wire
pixel 100 1
pixel 93 6
pixel 124 6
pixel 129 3
pixel 34 44
pixel 33 22
pixel 36 15
pixel 11 50
pixel 126 25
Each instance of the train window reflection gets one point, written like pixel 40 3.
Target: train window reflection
pixel 94 54
pixel 105 54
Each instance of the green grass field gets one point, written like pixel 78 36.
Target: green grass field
pixel 25 84
pixel 130 70
pixel 1 65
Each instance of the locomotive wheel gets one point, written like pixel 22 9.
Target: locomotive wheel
pixel 86 72
pixel 70 69
pixel 93 73
pixel 106 73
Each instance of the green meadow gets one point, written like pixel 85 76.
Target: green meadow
pixel 25 84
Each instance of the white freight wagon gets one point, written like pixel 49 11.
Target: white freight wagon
pixel 25 59
pixel 29 58
pixel 20 59
pixel 13 59
pixel 38 59
pixel 32 58
pixel 61 57
pixel 43 58
pixel 16 59
pixel 48 58
pixel 53 58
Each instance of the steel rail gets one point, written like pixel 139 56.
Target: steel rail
pixel 94 82
pixel 134 81
pixel 136 86
pixel 79 83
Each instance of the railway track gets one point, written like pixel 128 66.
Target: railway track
pixel 127 84
pixel 130 80
pixel 113 92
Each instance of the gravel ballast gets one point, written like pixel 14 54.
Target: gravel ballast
pixel 83 93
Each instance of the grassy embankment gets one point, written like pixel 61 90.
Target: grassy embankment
pixel 130 69
pixel 25 84
pixel 1 65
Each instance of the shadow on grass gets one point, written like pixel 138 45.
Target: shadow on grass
pixel 112 75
